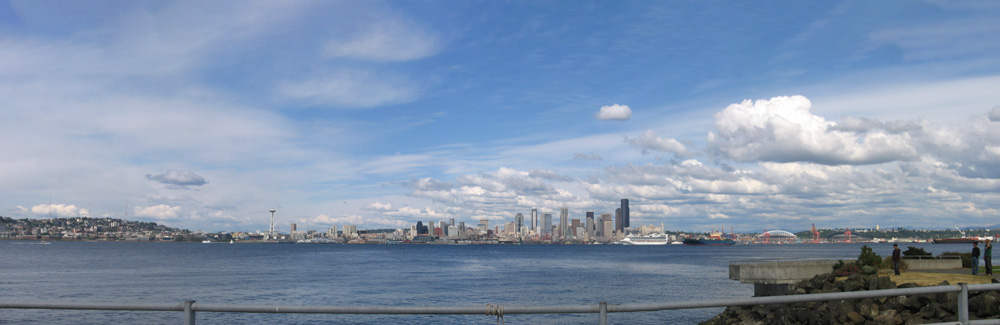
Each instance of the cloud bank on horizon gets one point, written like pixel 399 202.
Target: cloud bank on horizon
pixel 379 114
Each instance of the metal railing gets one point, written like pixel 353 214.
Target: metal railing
pixel 190 308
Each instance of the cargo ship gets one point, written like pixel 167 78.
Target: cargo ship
pixel 962 240
pixel 714 238
pixel 955 240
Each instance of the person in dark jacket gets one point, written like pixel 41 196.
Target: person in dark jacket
pixel 975 258
pixel 988 257
pixel 895 258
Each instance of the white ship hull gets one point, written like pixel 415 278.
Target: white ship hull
pixel 644 241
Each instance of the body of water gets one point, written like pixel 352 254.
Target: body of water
pixel 383 275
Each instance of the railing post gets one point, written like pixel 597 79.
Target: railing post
pixel 604 313
pixel 188 312
pixel 963 303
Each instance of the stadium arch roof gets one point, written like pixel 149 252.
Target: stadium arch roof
pixel 780 233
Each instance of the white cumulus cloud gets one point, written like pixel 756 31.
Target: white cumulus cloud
pixel 995 114
pixel 650 141
pixel 159 212
pixel 783 130
pixel 614 113
pixel 58 210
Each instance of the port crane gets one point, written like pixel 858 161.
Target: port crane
pixel 959 230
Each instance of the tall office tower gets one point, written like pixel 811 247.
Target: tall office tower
pixel 350 231
pixel 534 219
pixel 625 215
pixel 484 227
pixel 421 229
pixel 563 221
pixel 573 225
pixel 518 223
pixel 332 233
pixel 444 227
pixel 606 217
pixel 461 229
pixel 294 227
pixel 618 219
pixel 452 221
pixel 546 224
pixel 609 229
pixel 590 224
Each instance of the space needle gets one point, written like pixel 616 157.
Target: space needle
pixel 270 233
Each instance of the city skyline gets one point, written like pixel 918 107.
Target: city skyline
pixel 380 114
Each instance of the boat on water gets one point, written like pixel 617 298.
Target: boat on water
pixel 645 240
pixel 961 240
pixel 714 238
pixel 955 240
pixel 206 241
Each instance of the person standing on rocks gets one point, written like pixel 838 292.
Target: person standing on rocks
pixel 988 257
pixel 895 258
pixel 975 258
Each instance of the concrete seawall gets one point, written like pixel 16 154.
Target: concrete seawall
pixel 775 277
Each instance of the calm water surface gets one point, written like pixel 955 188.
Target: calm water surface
pixel 385 275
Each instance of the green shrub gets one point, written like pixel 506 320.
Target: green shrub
pixel 845 269
pixel 838 265
pixel 869 258
pixel 869 270
pixel 915 251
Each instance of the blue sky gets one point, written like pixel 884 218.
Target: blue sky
pixel 204 115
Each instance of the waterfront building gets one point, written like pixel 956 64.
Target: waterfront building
pixel 351 231
pixel 563 219
pixel 452 232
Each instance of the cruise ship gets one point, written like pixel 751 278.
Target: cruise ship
pixel 645 240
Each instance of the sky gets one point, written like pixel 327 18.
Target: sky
pixel 704 114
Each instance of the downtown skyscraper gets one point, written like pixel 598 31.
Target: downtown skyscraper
pixel 625 216
pixel 563 222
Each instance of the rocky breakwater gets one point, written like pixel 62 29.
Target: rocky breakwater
pixel 916 309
